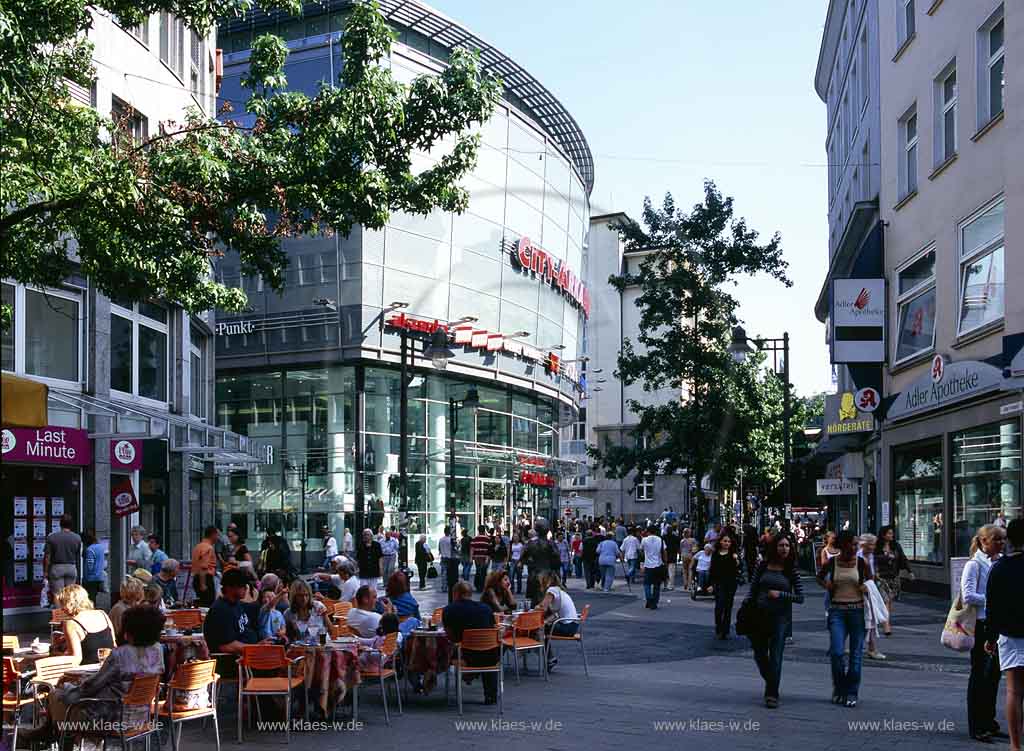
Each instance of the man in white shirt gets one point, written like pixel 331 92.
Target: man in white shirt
pixel 347 543
pixel 631 554
pixel 363 618
pixel 388 561
pixel 713 534
pixel 654 558
pixel 330 545
pixel 446 550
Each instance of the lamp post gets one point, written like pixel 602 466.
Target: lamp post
pixel 303 479
pixel 740 348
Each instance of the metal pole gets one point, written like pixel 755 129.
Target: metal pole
pixel 453 423
pixel 786 414
pixel 303 477
pixel 403 441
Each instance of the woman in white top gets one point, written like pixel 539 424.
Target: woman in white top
pixel 561 616
pixel 983 685
pixel 654 558
pixel 517 566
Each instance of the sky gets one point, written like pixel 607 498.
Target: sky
pixel 670 92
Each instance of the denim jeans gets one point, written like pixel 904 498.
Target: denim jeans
pixel 607 576
pixel 846 623
pixel 442 574
pixel 566 570
pixel 577 565
pixel 631 566
pixel 467 570
pixel 517 577
pixel 652 585
pixel 768 650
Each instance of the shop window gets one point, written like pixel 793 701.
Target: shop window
pixel 915 303
pixel 138 350
pixel 45 333
pixel 981 268
pixel 919 502
pixel 986 479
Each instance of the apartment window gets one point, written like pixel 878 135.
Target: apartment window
pixel 197 371
pixel 196 79
pixel 172 43
pixel 865 164
pixel 138 350
pixel 129 121
pixel 982 242
pixel 645 489
pixel 905 22
pixel 140 30
pixel 44 338
pixel 908 141
pixel 992 86
pixel 915 306
pixel 945 116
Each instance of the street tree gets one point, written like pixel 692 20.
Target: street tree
pixel 725 415
pixel 144 219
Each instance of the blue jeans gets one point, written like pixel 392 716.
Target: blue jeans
pixel 607 576
pixel 442 565
pixel 577 565
pixel 566 570
pixel 843 623
pixel 516 577
pixel 631 569
pixel 768 648
pixel 467 570
pixel 652 585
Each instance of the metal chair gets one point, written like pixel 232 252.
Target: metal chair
pixel 13 699
pixel 577 637
pixel 387 667
pixel 49 671
pixel 478 640
pixel 521 641
pixel 267 657
pixel 189 678
pixel 137 714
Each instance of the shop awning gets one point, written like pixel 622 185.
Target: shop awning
pixel 24 402
pixel 106 418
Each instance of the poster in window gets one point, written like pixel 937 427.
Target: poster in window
pixel 38 507
pixel 20 550
pixel 37 571
pixel 55 525
pixel 39 528
pixel 56 506
pixel 21 528
pixel 21 506
pixel 20 572
pixel 38 549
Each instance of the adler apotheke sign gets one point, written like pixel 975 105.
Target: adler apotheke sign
pixel 945 383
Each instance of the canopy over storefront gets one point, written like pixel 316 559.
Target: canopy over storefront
pixel 24 402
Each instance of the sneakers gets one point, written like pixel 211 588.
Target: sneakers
pixel 876 655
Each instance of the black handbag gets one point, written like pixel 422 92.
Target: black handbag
pixel 749 619
pixel 431 571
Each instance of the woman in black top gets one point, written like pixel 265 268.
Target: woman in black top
pixel 774 587
pixel 889 561
pixel 724 578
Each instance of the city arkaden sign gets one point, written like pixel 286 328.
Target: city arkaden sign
pixel 945 383
pixel 550 269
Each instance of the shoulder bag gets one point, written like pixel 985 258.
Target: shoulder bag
pixel 961 623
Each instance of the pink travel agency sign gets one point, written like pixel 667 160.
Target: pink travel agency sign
pixel 49 445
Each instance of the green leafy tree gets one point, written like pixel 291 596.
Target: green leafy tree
pixel 143 220
pixel 727 414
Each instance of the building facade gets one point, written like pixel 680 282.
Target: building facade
pixel 951 199
pixel 130 385
pixel 317 371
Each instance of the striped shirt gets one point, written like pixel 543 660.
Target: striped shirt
pixel 481 546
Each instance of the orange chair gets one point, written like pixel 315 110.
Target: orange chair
pixel 577 637
pixel 266 657
pixel 185 619
pixel 191 678
pixel 13 700
pixel 521 639
pixel 387 667
pixel 137 714
pixel 478 640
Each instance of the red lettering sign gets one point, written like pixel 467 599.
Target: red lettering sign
pixel 553 271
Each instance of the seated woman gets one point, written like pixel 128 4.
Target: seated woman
pixel 130 595
pixel 167 579
pixel 305 617
pixel 401 599
pixel 87 629
pixel 498 593
pixel 557 604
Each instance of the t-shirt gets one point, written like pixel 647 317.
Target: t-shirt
pixel 671 545
pixel 607 553
pixel 561 603
pixel 517 550
pixel 703 561
pixel 652 545
pixel 64 547
pixel 444 547
pixel 204 558
pixel 330 547
pixel 630 548
pixel 227 622
pixel 348 588
pixel 156 561
pixel 711 535
pixel 389 546
pixel 364 621
pixel 481 546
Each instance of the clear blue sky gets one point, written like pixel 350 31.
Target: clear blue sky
pixel 669 92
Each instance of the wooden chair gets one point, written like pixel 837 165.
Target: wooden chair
pixel 49 671
pixel 11 642
pixel 577 637
pixel 13 699
pixel 520 639
pixel 188 678
pixel 138 719
pixel 387 667
pixel 266 657
pixel 438 617
pixel 57 618
pixel 186 619
pixel 478 640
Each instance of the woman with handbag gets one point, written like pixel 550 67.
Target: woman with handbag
pixel 774 587
pixel 983 684
pixel 845 577
pixel 890 560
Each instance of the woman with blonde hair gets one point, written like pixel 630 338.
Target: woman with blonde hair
pixel 305 617
pixel 983 684
pixel 875 611
pixel 87 630
pixel 129 595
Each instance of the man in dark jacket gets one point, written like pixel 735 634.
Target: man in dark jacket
pixel 541 558
pixel 590 569
pixel 463 613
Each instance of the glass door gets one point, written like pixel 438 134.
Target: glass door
pixel 493 498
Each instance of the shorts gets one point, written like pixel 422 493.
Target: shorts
pixel 1011 652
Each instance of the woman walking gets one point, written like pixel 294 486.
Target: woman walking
pixel 844 577
pixel 828 550
pixel 889 562
pixel 687 550
pixel 774 587
pixel 724 577
pixel 517 564
pixel 983 684
pixel 1004 610
pixel 875 613
pixel 423 557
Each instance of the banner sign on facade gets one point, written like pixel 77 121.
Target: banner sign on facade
pixel 123 498
pixel 125 455
pixel 858 320
pixel 550 269
pixel 945 383
pixel 842 415
pixel 49 445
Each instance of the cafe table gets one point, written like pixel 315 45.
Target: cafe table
pixel 330 670
pixel 427 652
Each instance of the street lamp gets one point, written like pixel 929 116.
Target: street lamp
pixel 739 348
pixel 471 401
pixel 303 479
pixel 438 351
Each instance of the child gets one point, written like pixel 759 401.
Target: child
pixel 388 625
pixel 271 624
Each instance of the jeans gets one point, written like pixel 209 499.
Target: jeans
pixel 467 570
pixel 517 577
pixel 631 566
pixel 451 572
pixel 652 586
pixel 983 685
pixel 702 579
pixel 442 574
pixel 577 566
pixel 481 574
pixel 387 566
pixel 607 576
pixel 768 650
pixel 592 572
pixel 566 570
pixel 843 623
pixel 724 596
